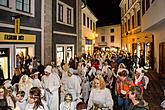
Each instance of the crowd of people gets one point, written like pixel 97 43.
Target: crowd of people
pixel 102 81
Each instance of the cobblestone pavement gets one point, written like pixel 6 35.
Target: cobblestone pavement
pixel 154 94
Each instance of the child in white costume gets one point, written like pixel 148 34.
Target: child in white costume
pixel 68 103
pixel 21 102
pixel 34 100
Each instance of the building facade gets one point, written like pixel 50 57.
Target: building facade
pixel 20 32
pixel 153 20
pixel 88 30
pixel 133 39
pixel 46 29
pixel 109 37
pixel 65 28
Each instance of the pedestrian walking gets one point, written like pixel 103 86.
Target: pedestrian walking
pixel 51 84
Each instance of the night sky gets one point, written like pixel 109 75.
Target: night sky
pixel 107 11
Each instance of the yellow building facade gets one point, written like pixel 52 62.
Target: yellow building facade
pixel 134 40
pixel 88 31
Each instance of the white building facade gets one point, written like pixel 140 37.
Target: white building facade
pixel 134 40
pixel 153 20
pixel 109 37
pixel 88 30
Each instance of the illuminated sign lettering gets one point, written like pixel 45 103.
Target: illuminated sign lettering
pixel 12 37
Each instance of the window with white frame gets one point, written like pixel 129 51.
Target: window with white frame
pixel 64 14
pixel 23 5
pixel 4 3
pixel 60 12
pixel 69 16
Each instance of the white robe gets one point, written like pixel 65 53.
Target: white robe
pixel 73 86
pixel 36 83
pixel 85 90
pixel 26 88
pixel 68 106
pixel 30 107
pixel 101 96
pixel 52 82
pixel 21 104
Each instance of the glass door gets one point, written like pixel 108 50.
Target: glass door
pixel 60 55
pixel 4 62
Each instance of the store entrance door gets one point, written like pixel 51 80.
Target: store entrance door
pixel 4 62
pixel 64 52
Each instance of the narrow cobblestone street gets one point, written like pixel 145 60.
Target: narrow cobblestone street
pixel 154 93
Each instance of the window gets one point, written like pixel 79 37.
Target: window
pixel 138 18
pixel 112 39
pixel 60 12
pixel 23 5
pixel 88 41
pixel 128 4
pixel 69 20
pixel 84 19
pixel 4 3
pixel 94 26
pixel 147 4
pixel 64 14
pixel 125 27
pixel 125 8
pixel 112 30
pixel 143 7
pixel 88 22
pixel 128 24
pixel 122 28
pixel 133 20
pixel 91 24
pixel 103 38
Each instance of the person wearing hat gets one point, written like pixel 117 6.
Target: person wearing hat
pixel 73 85
pixel 139 78
pixel 51 84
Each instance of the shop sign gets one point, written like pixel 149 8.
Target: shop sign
pixel 11 37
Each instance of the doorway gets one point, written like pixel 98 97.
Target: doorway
pixel 162 59
pixel 4 62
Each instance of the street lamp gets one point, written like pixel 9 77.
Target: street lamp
pixel 96 35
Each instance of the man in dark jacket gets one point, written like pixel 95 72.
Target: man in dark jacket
pixel 40 69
